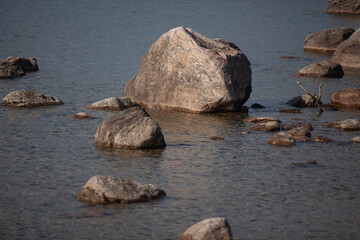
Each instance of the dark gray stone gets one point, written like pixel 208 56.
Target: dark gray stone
pixel 17 66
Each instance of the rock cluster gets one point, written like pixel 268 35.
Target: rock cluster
pixel 17 66
pixel 110 189
pixel 21 98
pixel 186 71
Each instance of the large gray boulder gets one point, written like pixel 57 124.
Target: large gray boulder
pixel 346 98
pixel 348 53
pixel 343 7
pixel 17 66
pixel 208 229
pixel 110 189
pixel 322 69
pixel 131 128
pixel 186 71
pixel 328 39
pixel 21 98
pixel 111 104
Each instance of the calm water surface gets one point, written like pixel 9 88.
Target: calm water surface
pixel 88 50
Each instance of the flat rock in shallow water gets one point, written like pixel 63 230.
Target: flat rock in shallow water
pixel 186 71
pixel 261 119
pixel 328 39
pixel 131 128
pixel 21 98
pixel 343 7
pixel 346 125
pixel 281 139
pixel 355 140
pixel 271 126
pixel 208 229
pixel 17 66
pixel 81 115
pixel 346 98
pixel 292 110
pixel 322 139
pixel 299 133
pixel 112 104
pixel 322 69
pixel 110 189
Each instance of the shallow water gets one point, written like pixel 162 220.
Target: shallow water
pixel 88 50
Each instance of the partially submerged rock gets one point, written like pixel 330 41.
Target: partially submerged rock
pixel 21 98
pixel 343 7
pixel 355 139
pixel 305 164
pixel 346 125
pixel 281 139
pixel 17 66
pixel 257 106
pixel 302 101
pixel 291 110
pixel 328 39
pixel 322 69
pixel 217 138
pixel 186 71
pixel 261 119
pixel 111 104
pixel 110 189
pixel 208 229
pixel 348 53
pixel 299 133
pixel 81 115
pixel 271 126
pixel 131 128
pixel 346 98
pixel 322 139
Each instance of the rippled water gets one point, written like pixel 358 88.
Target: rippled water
pixel 88 50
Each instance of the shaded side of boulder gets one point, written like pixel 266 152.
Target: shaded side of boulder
pixel 302 101
pixel 21 98
pixel 346 125
pixel 322 69
pixel 343 7
pixel 110 189
pixel 348 53
pixel 346 98
pixel 186 71
pixel 328 39
pixel 272 126
pixel 281 139
pixel 112 104
pixel 17 66
pixel 131 128
pixel 208 229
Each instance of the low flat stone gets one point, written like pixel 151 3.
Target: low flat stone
pixel 346 98
pixel 305 164
pixel 110 189
pixel 346 125
pixel 322 139
pixel 257 106
pixel 266 126
pixel 348 52
pixel 291 110
pixel 261 119
pixel 355 139
pixel 343 7
pixel 299 133
pixel 81 115
pixel 328 39
pixel 217 138
pixel 11 67
pixel 281 139
pixel 21 98
pixel 302 101
pixel 111 104
pixel 208 229
pixel 130 129
pixel 322 69
pixel 329 107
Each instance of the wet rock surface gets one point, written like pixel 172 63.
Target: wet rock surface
pixel 111 189
pixel 11 67
pixel 21 98
pixel 355 139
pixel 186 71
pixel 322 139
pixel 81 115
pixel 261 119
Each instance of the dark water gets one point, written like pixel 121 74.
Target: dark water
pixel 88 50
